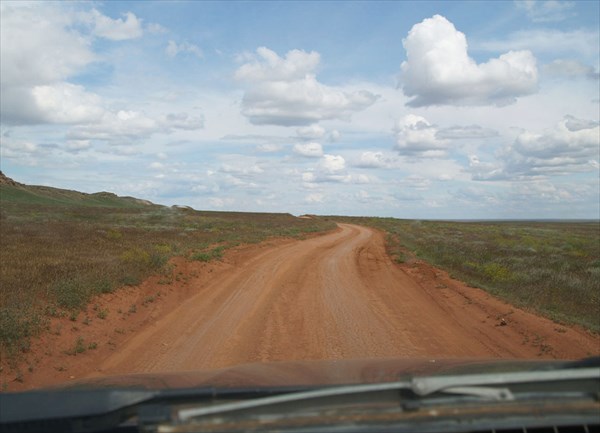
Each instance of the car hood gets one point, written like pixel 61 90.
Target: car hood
pixel 309 373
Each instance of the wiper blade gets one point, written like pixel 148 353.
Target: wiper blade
pixel 428 385
pixel 477 385
pixel 187 414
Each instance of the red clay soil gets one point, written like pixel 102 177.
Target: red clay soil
pixel 336 296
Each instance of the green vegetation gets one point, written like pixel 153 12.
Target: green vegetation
pixel 61 248
pixel 207 256
pixel 550 267
pixel 78 347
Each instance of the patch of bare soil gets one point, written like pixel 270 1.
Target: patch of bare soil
pixel 337 296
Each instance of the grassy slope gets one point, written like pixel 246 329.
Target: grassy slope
pixel 42 195
pixel 60 248
pixel 550 267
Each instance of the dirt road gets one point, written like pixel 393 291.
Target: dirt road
pixel 334 296
pixel 338 296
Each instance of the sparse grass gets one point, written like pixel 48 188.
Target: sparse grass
pixel 148 300
pixel 61 248
pixel 78 347
pixel 550 267
pixel 207 256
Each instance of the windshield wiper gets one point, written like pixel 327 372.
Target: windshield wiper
pixel 476 385
pixel 85 410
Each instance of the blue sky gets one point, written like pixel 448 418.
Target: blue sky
pixel 405 109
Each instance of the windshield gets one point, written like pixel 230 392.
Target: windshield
pixel 297 194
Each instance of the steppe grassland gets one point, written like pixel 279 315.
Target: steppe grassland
pixel 552 268
pixel 55 258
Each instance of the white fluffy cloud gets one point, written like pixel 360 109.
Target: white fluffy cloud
pixel 43 58
pixel 309 150
pixel 128 126
pixel 285 91
pixel 129 27
pixel 569 146
pixel 66 103
pixel 371 159
pixel 49 54
pixel 439 71
pixel 331 168
pixel 12 148
pixel 36 65
pixel 296 65
pixel 311 132
pixel 415 136
pixel 572 146
pixel 332 164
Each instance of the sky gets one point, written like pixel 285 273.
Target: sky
pixel 427 110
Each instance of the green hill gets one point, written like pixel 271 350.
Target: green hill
pixel 17 193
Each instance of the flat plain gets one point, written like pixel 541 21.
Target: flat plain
pixel 94 285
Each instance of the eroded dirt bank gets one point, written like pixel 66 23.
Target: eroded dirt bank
pixel 329 297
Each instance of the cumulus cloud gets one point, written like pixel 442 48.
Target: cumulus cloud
pixel 129 126
pixel 66 103
pixel 572 146
pixel 309 150
pixel 47 55
pixel 575 124
pixel 572 138
pixel 120 29
pixel 546 11
pixel 243 168
pixel 332 164
pixel 439 71
pixel 296 65
pixel 36 65
pixel 311 132
pixel 173 49
pixel 415 136
pixel 41 58
pixel 331 168
pixel 23 151
pixel 285 91
pixel 375 160
pixel 481 170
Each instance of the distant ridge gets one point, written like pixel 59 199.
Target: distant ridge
pixel 5 180
pixel 19 193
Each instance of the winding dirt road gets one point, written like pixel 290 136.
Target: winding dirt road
pixel 338 296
